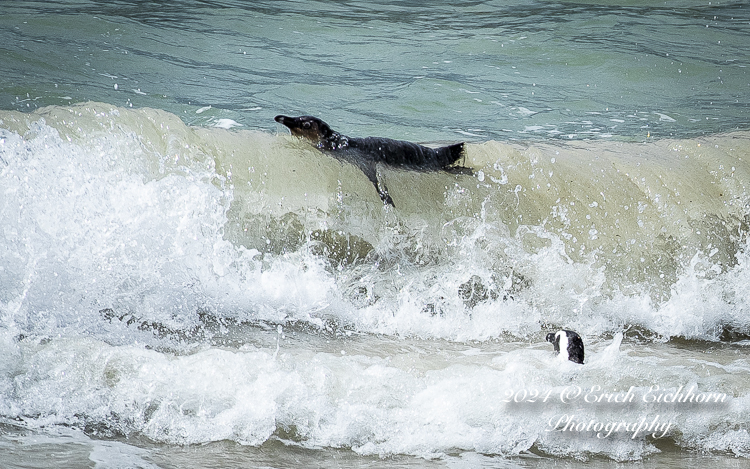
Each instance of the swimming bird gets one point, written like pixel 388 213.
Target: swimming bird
pixel 368 153
pixel 569 341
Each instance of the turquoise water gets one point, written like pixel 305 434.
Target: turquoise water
pixel 466 70
pixel 183 284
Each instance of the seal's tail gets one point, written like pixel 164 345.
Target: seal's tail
pixel 450 155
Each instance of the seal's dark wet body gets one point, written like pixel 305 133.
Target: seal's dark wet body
pixel 406 155
pixel 367 153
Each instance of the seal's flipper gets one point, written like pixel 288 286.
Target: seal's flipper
pixel 385 196
pixel 370 170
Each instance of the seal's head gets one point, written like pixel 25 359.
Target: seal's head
pixel 307 127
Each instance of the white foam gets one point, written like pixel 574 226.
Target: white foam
pixel 664 117
pixel 382 406
pixel 526 112
pixel 226 123
pixel 100 218
pixel 103 230
pixel 135 223
pixel 116 455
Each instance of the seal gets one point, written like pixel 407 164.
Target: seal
pixel 569 341
pixel 367 153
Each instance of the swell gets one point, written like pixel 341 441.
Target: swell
pixel 640 211
pixel 154 275
pixel 597 235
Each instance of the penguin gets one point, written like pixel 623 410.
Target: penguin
pixel 568 341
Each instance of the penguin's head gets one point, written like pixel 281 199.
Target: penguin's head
pixel 569 342
pixel 307 127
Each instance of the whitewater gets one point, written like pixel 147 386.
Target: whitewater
pixel 184 284
pixel 193 285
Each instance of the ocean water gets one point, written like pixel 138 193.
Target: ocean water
pixel 183 284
